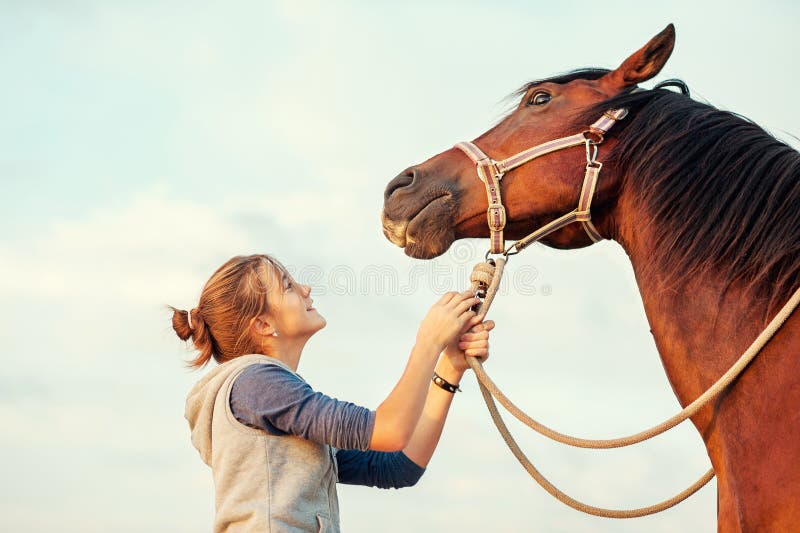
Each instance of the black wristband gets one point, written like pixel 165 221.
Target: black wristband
pixel 442 383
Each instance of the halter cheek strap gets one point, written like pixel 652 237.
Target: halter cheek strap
pixel 490 172
pixel 490 175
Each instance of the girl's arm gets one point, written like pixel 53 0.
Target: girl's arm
pixel 403 469
pixel 451 367
pixel 397 417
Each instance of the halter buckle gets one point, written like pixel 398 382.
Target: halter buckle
pixel 496 217
pixel 487 169
pixel 617 114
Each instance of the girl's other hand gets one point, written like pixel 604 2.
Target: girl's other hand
pixel 473 343
pixel 447 318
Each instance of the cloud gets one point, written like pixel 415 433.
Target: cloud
pixel 128 253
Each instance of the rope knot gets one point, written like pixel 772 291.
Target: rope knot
pixel 481 277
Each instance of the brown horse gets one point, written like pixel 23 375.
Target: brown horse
pixel 707 206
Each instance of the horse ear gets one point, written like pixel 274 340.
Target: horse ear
pixel 644 63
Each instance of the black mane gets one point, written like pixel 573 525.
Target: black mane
pixel 724 195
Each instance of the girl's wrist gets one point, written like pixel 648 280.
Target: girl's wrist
pixel 422 340
pixel 447 371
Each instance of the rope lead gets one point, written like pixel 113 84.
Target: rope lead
pixel 484 281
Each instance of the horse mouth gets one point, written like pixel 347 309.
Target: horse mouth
pixel 394 231
pixel 420 235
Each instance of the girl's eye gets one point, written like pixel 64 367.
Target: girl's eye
pixel 539 98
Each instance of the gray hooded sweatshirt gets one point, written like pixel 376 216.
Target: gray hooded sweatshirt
pixel 296 478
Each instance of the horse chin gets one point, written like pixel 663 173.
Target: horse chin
pixel 427 235
pixel 426 247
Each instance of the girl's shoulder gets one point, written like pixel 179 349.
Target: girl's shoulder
pixel 259 374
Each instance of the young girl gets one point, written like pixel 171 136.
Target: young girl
pixel 276 447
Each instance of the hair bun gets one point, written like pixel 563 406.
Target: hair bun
pixel 181 323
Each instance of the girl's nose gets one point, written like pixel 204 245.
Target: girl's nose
pixel 307 290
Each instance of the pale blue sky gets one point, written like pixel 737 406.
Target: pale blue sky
pixel 144 143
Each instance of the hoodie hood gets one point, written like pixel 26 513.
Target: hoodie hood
pixel 200 402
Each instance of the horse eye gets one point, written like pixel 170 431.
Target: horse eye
pixel 539 98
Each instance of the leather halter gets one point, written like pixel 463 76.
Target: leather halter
pixel 491 172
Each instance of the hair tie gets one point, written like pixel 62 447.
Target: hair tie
pixel 189 314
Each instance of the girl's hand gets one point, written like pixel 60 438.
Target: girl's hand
pixel 473 343
pixel 447 318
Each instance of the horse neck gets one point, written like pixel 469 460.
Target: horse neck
pixel 699 327
pixel 700 330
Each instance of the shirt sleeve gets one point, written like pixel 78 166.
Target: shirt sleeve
pixel 385 470
pixel 271 398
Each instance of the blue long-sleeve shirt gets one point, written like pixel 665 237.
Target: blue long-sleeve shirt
pixel 273 399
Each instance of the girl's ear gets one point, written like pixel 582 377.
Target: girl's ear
pixel 261 326
pixel 642 64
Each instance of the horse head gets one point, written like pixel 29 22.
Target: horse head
pixel 430 205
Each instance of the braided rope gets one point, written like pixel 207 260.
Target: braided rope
pixel 566 499
pixel 490 389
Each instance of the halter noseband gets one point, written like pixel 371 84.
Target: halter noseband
pixel 491 172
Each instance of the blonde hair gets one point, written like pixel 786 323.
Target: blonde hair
pixel 234 295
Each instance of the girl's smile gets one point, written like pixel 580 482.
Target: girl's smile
pixel 293 314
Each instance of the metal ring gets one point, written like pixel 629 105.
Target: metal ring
pixel 598 136
pixel 504 253
pixel 508 253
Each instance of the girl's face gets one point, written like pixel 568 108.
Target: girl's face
pixel 292 311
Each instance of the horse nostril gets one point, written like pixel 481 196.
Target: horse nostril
pixel 405 179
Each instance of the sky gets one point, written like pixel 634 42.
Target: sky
pixel 144 143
